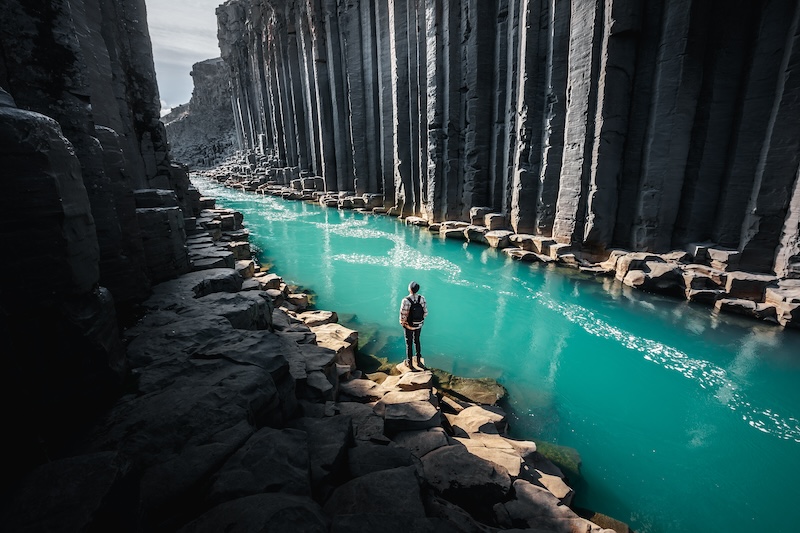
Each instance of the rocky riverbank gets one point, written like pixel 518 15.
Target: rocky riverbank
pixel 245 411
pixel 703 273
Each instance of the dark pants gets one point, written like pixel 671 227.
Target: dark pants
pixel 412 336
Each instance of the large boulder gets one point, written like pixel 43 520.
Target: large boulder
pixel 535 507
pixel 466 480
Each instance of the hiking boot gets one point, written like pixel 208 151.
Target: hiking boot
pixel 419 362
pixel 410 365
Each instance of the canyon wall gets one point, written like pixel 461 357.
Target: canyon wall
pixel 201 133
pixel 93 209
pixel 645 125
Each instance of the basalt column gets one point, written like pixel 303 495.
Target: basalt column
pixel 776 170
pixel 357 38
pixel 582 81
pixel 617 63
pixel 435 112
pixel 401 131
pixel 530 107
pixel 729 44
pixel 787 258
pixel 506 59
pixel 554 114
pixel 676 89
pixel 478 80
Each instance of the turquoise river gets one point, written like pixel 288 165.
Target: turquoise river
pixel 685 420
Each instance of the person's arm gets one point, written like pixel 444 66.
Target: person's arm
pixel 405 307
pixel 424 307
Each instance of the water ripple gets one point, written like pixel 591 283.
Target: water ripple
pixel 706 374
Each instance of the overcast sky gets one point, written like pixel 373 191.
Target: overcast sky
pixel 183 32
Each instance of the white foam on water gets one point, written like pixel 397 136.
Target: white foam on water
pixel 706 374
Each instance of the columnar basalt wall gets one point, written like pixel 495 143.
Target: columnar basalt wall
pixel 645 125
pixel 79 134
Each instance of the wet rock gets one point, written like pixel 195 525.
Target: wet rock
pixel 482 391
pixel 747 308
pixel 536 507
pixel 748 286
pixel 658 277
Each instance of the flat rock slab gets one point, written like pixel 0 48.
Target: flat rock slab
pixel 318 318
pixel 362 390
pixel 498 238
pixel 400 397
pixel 422 442
pixel 410 381
pixel 262 512
pixel 272 460
pixel 409 416
pixel 496 451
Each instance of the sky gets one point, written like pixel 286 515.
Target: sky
pixel 183 33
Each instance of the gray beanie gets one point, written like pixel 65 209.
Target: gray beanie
pixel 413 286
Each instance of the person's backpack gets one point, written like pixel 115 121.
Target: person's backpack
pixel 416 313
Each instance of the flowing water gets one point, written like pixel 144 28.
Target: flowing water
pixel 685 420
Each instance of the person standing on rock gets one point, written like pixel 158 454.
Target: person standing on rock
pixel 413 311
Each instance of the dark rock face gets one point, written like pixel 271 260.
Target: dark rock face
pixel 202 133
pixel 642 125
pixel 79 132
